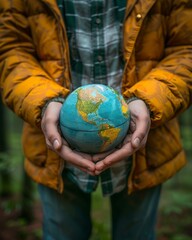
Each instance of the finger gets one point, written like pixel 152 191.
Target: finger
pixel 115 157
pixel 84 155
pixel 100 156
pixel 92 173
pixel 143 142
pixel 76 159
pixel 49 125
pixel 127 149
pixel 52 136
pixel 126 140
pixel 142 129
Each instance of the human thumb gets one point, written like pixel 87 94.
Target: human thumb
pixel 56 144
pixel 136 142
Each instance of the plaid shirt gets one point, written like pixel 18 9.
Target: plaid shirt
pixel 94 29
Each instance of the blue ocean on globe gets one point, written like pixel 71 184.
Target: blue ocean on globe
pixel 94 118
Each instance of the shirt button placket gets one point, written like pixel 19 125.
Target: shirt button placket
pixel 100 58
pixel 98 20
pixel 99 52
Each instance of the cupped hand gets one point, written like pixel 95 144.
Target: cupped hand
pixel 136 138
pixel 54 141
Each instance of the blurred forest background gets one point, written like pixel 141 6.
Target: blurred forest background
pixel 20 210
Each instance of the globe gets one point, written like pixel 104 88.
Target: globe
pixel 94 118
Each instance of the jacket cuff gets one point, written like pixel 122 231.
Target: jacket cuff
pixel 131 99
pixel 58 99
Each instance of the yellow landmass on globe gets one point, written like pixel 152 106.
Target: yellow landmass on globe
pixel 109 136
pixel 83 115
pixel 124 108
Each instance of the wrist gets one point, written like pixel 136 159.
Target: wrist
pixel 57 99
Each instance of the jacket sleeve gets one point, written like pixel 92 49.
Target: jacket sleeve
pixel 167 89
pixel 25 86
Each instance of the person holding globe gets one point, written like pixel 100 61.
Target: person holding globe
pixel 143 50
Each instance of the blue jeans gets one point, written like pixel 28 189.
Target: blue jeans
pixel 67 216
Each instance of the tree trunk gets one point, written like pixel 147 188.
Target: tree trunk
pixel 5 176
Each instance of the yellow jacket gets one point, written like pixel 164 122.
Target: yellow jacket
pixel 34 68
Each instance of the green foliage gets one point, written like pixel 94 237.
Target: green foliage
pixel 4 164
pixel 10 206
pixel 100 217
pixel 175 212
pixel 175 201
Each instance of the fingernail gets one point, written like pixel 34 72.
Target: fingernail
pixel 56 144
pixel 136 142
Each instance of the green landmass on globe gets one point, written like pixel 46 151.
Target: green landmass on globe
pixel 94 118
